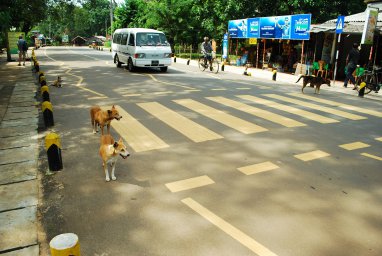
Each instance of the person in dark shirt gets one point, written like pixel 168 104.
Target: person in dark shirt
pixel 351 65
pixel 23 48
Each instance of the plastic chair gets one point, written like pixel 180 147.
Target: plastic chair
pixel 321 70
pixel 315 67
pixel 328 69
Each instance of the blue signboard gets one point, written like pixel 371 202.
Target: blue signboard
pixel 253 30
pixel 237 28
pixel 225 46
pixel 340 24
pixel 267 27
pixel 295 27
pixel 301 27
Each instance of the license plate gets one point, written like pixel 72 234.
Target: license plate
pixel 154 62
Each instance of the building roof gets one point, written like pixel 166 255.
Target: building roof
pixel 353 23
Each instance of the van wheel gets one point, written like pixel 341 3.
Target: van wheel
pixel 163 69
pixel 117 62
pixel 130 65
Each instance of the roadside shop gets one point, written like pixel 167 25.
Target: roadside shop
pixel 364 28
pixel 278 42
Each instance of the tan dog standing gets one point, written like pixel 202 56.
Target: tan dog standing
pixel 109 151
pixel 102 118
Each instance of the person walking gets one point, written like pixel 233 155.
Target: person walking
pixel 23 48
pixel 351 65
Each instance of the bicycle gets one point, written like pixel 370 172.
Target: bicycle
pixel 372 78
pixel 214 66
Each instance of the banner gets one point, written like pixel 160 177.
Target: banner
pixel 237 28
pixel 294 27
pixel 253 30
pixel 225 46
pixel 369 27
pixel 301 27
pixel 13 37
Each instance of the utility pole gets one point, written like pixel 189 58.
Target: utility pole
pixel 111 19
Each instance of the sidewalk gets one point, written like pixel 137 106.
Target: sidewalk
pixel 287 79
pixel 19 186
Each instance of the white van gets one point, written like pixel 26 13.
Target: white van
pixel 141 47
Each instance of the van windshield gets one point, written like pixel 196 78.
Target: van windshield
pixel 151 39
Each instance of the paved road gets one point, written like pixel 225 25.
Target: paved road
pixel 221 164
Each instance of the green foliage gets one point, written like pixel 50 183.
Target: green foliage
pixel 183 21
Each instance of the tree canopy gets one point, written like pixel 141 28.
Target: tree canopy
pixel 184 21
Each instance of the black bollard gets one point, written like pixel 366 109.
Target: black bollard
pixel 174 58
pixel 42 80
pixel 361 91
pixel 188 62
pixel 53 150
pixel 274 75
pixel 47 111
pixel 222 68
pixel 45 93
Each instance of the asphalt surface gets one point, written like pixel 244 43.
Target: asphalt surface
pixel 326 204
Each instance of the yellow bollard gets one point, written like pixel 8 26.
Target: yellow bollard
pixel 45 93
pixel 53 150
pixel 274 75
pixel 361 91
pixel 65 245
pixel 47 111
pixel 42 80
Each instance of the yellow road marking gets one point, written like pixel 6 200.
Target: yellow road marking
pixel 311 155
pixel 372 156
pixel 219 89
pixel 173 84
pixel 256 168
pixel 229 229
pixel 354 145
pixel 221 117
pixel 132 95
pixel 317 107
pixel 161 93
pixel 380 138
pixel 289 109
pixel 243 88
pixel 338 104
pixel 96 98
pixel 192 90
pixel 189 183
pixel 135 134
pixel 188 128
pixel 79 77
pixel 285 121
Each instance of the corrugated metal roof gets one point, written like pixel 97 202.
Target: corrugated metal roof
pixel 353 23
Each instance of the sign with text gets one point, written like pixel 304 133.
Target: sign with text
pixel 13 38
pixel 253 30
pixel 237 28
pixel 294 27
pixel 225 46
pixel 369 27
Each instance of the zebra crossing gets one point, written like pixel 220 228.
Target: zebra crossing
pixel 143 138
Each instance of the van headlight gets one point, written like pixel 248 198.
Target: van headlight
pixel 139 55
pixel 167 55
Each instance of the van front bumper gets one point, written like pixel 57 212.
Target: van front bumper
pixel 152 63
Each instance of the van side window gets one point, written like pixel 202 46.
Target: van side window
pixel 115 38
pixel 124 39
pixel 131 39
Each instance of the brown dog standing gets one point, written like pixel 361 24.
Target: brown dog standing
pixel 102 118
pixel 109 151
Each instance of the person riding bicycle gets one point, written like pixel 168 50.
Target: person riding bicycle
pixel 207 51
